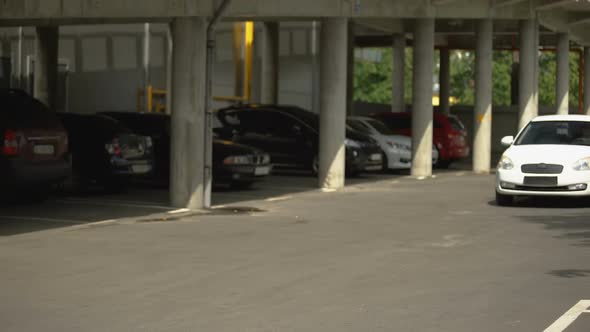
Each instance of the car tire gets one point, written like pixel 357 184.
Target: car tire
pixel 385 165
pixel 443 164
pixel 241 185
pixel 315 165
pixel 504 200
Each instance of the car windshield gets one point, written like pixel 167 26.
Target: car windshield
pixel 358 126
pixel 380 127
pixel 556 132
pixel 456 123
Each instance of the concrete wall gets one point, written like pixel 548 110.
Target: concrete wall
pixel 105 64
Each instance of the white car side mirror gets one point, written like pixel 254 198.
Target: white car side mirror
pixel 507 141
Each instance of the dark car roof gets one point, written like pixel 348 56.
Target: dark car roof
pixel 143 123
pixel 308 117
pixel 19 110
pixel 88 124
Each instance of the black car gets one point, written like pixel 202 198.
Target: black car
pixel 33 147
pixel 233 164
pixel 105 152
pixel 291 135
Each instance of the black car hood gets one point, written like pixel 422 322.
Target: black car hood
pixel 359 137
pixel 227 148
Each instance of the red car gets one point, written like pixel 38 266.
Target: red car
pixel 449 134
pixel 33 147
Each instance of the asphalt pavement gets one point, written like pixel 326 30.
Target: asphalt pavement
pixel 389 253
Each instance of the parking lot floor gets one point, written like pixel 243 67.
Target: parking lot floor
pixel 388 253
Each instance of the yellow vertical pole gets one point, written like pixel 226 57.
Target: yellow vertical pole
pixel 248 58
pixel 150 98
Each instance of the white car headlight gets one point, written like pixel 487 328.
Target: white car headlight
pixel 399 146
pixel 582 164
pixel 505 163
pixel 352 143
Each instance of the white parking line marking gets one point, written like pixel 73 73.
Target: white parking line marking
pixel 112 203
pixel 569 317
pixel 65 221
pixel 179 211
pixel 278 198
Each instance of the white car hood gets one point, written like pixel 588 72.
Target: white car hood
pixel 565 155
pixel 405 140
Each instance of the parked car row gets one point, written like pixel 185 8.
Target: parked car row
pixel 41 148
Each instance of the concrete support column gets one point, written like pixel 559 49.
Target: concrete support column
pixel 5 60
pixel 315 67
pixel 188 113
pixel 269 80
pixel 46 48
pixel 482 138
pixel 333 88
pixel 563 73
pixel 146 63
pixel 350 71
pixel 422 98
pixel 528 107
pixel 398 103
pixel 444 80
pixel 169 68
pixel 587 80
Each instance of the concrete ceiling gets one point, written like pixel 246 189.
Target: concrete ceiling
pixel 554 16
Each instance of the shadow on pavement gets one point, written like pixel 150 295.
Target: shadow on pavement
pixel 574 227
pixel 63 211
pixel 570 273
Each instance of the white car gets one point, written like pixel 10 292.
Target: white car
pixel 397 149
pixel 549 157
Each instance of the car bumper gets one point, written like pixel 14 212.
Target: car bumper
pixel 403 159
pixel 22 174
pixel 571 183
pixel 242 173
pixel 123 167
pixel 361 160
pixel 398 159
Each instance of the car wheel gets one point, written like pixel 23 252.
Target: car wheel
pixel 241 185
pixel 444 164
pixel 385 165
pixel 315 165
pixel 504 200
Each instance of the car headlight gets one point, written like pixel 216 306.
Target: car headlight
pixel 236 160
pixel 352 143
pixel 505 163
pixel 582 164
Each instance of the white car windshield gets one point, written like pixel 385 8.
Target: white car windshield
pixel 556 133
pixel 380 127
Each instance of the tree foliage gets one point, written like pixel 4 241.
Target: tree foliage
pixel 372 79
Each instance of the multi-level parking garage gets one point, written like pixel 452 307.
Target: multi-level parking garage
pixel 423 25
